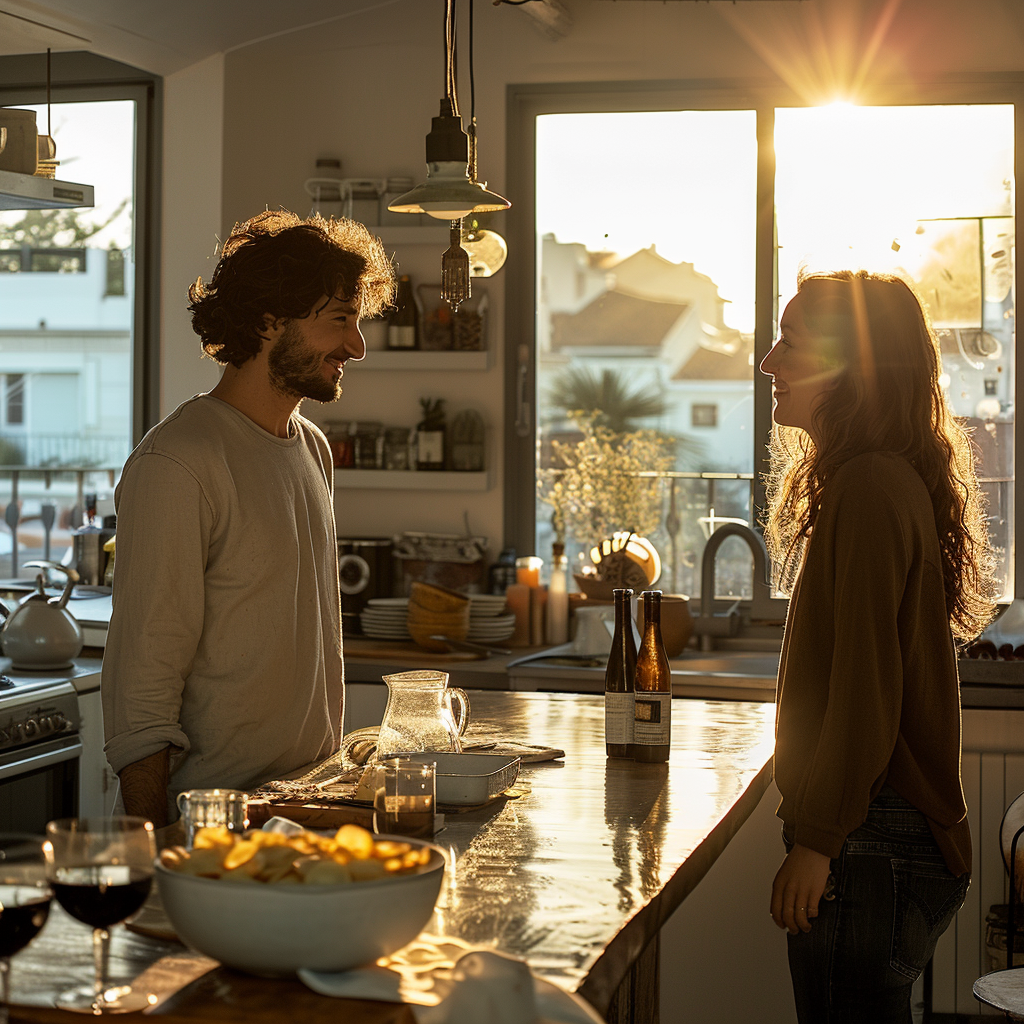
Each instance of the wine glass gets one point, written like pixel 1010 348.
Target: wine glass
pixel 101 870
pixel 24 900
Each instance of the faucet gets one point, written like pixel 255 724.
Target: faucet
pixel 708 624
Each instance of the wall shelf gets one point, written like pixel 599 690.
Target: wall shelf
pixel 411 480
pixel 391 359
pixel 422 234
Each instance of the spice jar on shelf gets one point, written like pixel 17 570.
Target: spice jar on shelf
pixel 467 442
pixel 369 439
pixel 339 437
pixel 396 448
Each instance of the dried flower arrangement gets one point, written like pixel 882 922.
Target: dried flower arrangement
pixel 606 483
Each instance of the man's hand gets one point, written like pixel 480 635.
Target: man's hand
pixel 798 887
pixel 144 787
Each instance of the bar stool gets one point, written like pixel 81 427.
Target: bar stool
pixel 1005 989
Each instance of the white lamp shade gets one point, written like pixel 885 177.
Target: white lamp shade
pixel 448 194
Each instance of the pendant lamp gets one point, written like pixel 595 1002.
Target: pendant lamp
pixel 451 190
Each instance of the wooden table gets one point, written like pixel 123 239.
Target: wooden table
pixel 576 876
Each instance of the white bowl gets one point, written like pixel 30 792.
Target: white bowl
pixel 275 930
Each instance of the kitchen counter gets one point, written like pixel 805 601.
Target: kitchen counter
pixel 717 675
pixel 577 875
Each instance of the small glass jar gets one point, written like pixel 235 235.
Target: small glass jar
pixel 339 437
pixel 396 448
pixel 369 445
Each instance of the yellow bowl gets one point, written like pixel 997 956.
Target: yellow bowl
pixel 438 599
pixel 425 622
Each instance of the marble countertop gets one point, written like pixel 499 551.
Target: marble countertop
pixel 576 875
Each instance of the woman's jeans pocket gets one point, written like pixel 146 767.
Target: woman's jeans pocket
pixel 927 896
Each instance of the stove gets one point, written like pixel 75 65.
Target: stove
pixel 40 749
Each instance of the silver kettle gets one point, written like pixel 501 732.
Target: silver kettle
pixel 40 633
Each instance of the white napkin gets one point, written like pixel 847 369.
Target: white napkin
pixel 444 981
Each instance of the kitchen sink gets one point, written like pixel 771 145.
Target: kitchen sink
pixel 753 664
pixel 725 675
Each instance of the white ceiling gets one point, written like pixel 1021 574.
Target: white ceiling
pixel 162 36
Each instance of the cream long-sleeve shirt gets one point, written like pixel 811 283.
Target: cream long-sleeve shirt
pixel 868 687
pixel 225 637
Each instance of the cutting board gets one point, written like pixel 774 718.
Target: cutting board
pixel 402 650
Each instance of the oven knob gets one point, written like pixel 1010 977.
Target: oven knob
pixel 59 721
pixel 15 732
pixel 4 737
pixel 31 727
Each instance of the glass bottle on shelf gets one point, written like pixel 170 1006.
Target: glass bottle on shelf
pixel 403 330
pixel 430 435
pixel 618 680
pixel 652 718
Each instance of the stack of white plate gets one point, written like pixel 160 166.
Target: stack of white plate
pixel 488 622
pixel 383 618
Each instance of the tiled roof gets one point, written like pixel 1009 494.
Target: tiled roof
pixel 709 364
pixel 616 320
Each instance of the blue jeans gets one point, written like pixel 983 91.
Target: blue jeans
pixel 891 896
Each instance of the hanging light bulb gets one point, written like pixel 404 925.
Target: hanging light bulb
pixel 487 249
pixel 449 193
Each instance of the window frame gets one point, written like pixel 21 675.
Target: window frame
pixel 83 77
pixel 526 102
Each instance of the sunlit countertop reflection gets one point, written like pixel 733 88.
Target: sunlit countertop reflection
pixel 578 875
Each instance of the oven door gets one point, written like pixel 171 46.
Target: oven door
pixel 39 783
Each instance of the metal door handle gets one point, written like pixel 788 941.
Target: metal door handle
pixel 66 752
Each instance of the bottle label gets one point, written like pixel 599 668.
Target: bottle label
pixel 652 719
pixel 618 718
pixel 430 446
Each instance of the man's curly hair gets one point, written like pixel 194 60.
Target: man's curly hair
pixel 279 265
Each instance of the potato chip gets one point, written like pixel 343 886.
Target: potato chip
pixel 366 870
pixel 327 872
pixel 208 838
pixel 352 854
pixel 357 840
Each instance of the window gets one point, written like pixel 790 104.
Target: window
pixel 665 333
pixel 76 331
pixel 703 414
pixel 14 399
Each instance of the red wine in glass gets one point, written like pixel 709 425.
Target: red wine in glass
pixel 23 912
pixel 24 900
pixel 101 870
pixel 101 896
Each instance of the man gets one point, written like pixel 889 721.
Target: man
pixel 223 659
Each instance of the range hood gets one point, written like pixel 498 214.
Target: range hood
pixel 28 192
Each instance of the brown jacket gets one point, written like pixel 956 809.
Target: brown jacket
pixel 868 689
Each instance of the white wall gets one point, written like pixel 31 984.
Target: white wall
pixel 191 223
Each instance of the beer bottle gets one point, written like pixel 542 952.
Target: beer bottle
pixel 402 332
pixel 653 685
pixel 618 681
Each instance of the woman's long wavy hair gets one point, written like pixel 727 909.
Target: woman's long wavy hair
pixel 887 398
pixel 279 265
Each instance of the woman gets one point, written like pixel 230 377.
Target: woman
pixel 875 524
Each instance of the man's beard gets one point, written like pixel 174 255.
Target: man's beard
pixel 296 370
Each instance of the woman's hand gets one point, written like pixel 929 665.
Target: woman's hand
pixel 798 887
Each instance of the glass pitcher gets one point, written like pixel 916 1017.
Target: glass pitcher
pixel 419 714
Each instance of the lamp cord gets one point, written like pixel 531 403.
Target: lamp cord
pixel 451 78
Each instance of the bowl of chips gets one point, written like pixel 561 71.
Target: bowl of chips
pixel 269 903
